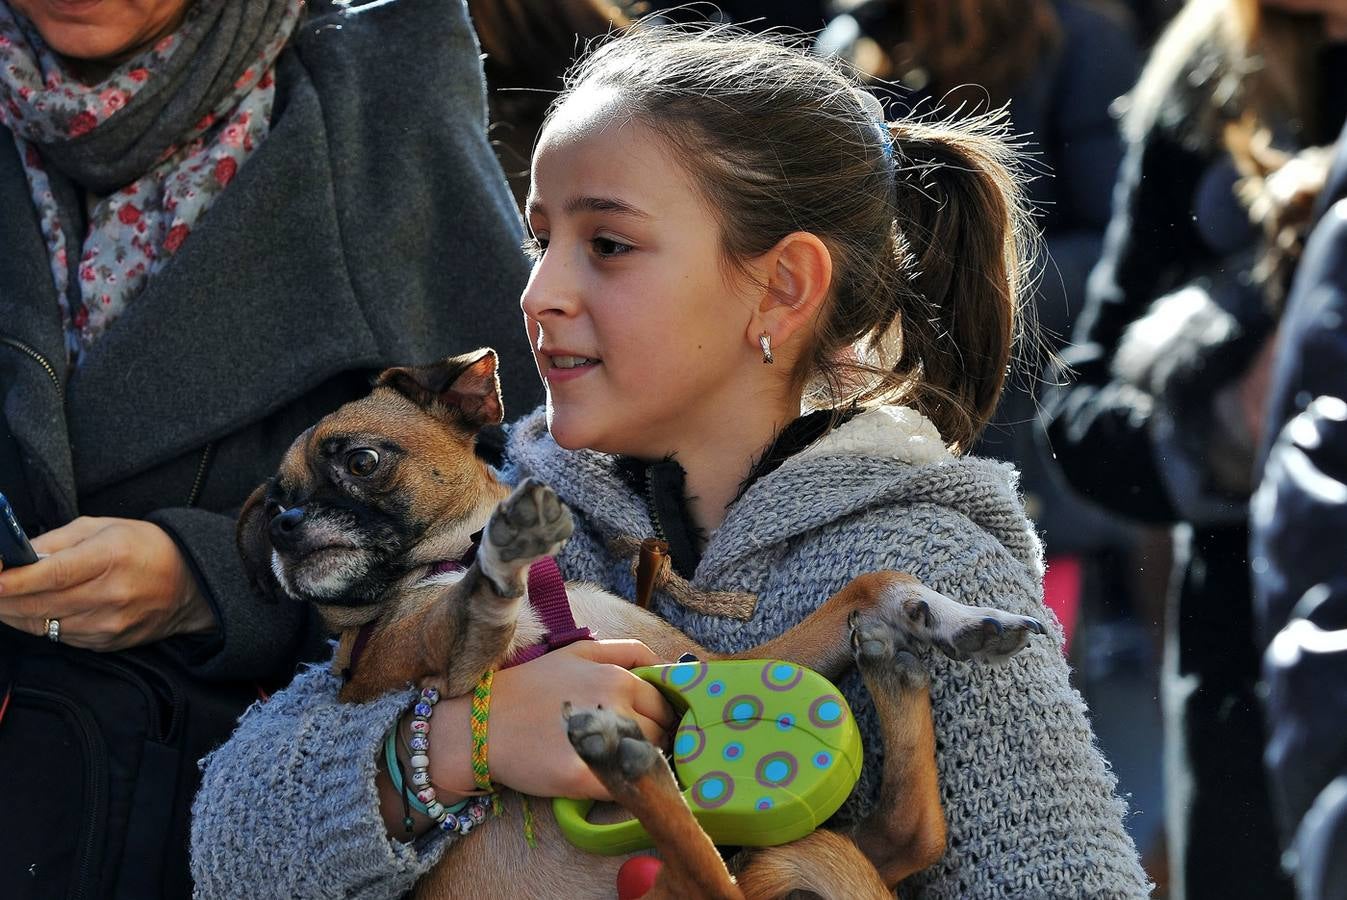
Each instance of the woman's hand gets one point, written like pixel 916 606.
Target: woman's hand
pixel 527 747
pixel 112 583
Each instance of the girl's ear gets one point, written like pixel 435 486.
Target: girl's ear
pixel 797 274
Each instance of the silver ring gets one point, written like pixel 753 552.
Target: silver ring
pixel 54 630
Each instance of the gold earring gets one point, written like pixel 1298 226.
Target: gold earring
pixel 765 342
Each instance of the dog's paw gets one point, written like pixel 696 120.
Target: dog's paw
pixel 529 524
pixel 881 651
pixel 959 631
pixel 611 745
pixel 991 635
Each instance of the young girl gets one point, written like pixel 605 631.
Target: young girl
pixel 726 233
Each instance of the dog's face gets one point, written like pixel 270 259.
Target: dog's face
pixel 368 500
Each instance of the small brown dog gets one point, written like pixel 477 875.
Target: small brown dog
pixel 373 497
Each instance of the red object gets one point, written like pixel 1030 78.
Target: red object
pixel 225 169
pixel 176 235
pixel 637 876
pixel 1062 590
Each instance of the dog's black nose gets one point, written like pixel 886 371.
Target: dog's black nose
pixel 283 524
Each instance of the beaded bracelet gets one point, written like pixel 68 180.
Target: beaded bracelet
pixel 462 817
pixel 394 766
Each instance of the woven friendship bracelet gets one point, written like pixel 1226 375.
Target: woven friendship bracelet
pixel 481 710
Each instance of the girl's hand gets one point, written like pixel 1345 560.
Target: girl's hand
pixel 527 747
pixel 112 583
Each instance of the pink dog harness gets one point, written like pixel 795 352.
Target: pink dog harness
pixel 546 594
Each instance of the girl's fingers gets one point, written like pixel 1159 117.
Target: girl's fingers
pixel 649 705
pixel 625 653
pixel 72 624
pixel 654 730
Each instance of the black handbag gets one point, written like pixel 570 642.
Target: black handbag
pixel 98 767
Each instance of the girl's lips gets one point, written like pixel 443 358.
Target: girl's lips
pixel 72 7
pixel 557 375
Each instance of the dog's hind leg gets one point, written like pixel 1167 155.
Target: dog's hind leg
pixel 957 630
pixel 636 774
pixel 906 832
pixel 823 864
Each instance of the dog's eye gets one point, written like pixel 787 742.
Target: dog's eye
pixel 362 462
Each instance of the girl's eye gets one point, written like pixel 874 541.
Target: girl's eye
pixel 607 247
pixel 362 462
pixel 535 247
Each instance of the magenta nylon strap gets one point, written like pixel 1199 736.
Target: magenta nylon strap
pixel 547 596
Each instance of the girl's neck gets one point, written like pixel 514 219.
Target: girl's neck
pixel 715 464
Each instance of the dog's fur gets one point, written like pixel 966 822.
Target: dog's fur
pixel 358 534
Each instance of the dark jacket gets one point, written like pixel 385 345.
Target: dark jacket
pixel 1171 321
pixel 372 227
pixel 1300 560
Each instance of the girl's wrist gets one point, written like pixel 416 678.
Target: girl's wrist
pixel 451 740
pixel 448 767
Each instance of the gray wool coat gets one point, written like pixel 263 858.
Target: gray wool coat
pixel 372 227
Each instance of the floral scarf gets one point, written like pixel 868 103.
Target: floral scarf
pixel 125 169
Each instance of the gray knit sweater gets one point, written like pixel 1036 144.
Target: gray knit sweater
pixel 288 807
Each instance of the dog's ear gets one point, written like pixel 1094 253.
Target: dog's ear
pixel 253 536
pixel 467 384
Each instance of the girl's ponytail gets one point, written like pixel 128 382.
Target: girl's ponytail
pixel 960 223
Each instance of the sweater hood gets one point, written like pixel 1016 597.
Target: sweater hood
pixel 885 456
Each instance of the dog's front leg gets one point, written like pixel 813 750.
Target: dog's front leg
pixel 527 525
pixel 454 633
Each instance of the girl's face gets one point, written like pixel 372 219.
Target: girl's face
pixel 639 329
pixel 100 29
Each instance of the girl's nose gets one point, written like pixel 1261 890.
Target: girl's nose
pixel 550 290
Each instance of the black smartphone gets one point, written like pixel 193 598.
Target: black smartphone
pixel 14 547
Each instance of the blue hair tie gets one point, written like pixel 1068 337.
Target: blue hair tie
pixel 870 103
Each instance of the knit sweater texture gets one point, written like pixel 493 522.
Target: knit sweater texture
pixel 1031 803
pixel 288 807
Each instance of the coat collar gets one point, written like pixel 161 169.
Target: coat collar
pixel 881 458
pixel 266 313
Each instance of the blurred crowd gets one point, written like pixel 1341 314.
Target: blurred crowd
pixel 1177 407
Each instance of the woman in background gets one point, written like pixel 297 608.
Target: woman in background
pixel 219 219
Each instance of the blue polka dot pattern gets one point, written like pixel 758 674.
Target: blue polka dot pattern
pixel 685 675
pixel 826 712
pixel 689 742
pixel 779 676
pixel 712 790
pixel 777 769
pixel 742 712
